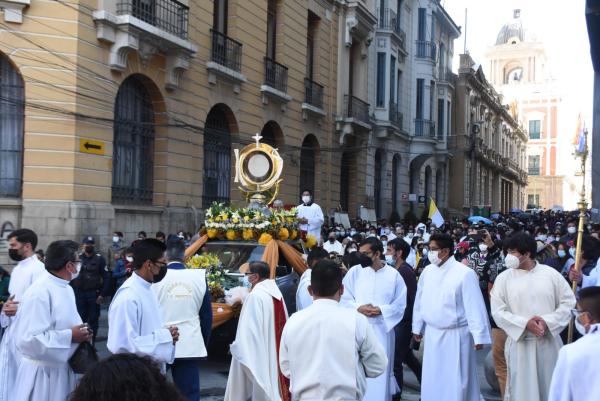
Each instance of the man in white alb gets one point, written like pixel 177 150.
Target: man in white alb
pixel 449 311
pixel 21 249
pixel 377 290
pixel 532 303
pixel 135 324
pixel 310 215
pixel 49 329
pixel 341 341
pixel 303 297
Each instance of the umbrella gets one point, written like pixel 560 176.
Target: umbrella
pixel 516 210
pixel 558 208
pixel 477 219
pixel 495 216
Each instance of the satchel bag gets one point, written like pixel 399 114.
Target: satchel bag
pixel 84 357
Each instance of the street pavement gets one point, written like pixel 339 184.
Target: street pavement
pixel 213 372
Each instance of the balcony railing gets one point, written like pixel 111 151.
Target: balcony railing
pixel 356 108
pixel 313 93
pixel 446 75
pixel 533 171
pixel 387 19
pixel 226 51
pixel 276 75
pixel 396 117
pixel 425 128
pixel 427 50
pixel 169 15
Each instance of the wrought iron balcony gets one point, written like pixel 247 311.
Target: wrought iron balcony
pixel 388 20
pixel 446 75
pixel 226 51
pixel 276 75
pixel 396 117
pixel 356 108
pixel 313 93
pixel 427 50
pixel 424 128
pixel 169 15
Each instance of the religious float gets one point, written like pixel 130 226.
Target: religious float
pixel 231 237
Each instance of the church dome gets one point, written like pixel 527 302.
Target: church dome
pixel 512 31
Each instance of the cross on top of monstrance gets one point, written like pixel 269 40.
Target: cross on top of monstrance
pixel 257 138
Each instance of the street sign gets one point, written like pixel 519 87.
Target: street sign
pixel 91 146
pixel 412 197
pixel 421 199
pixel 404 196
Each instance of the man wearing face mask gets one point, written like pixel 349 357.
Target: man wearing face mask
pixel 531 302
pixel 135 324
pixel 21 245
pixel 333 245
pixel 577 372
pixel 449 311
pixel 50 330
pixel 310 215
pixel 571 235
pixel 92 285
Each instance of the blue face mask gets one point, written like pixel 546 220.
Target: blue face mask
pixel 246 282
pixel 561 253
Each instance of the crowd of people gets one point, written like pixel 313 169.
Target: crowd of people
pixel 371 295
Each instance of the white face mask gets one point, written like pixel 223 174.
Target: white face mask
pixel 433 257
pixel 511 261
pixel 306 199
pixel 351 250
pixel 246 282
pixel 389 259
pixel 129 259
pixel 571 230
pixel 115 239
pixel 572 252
pixel 384 243
pixel 580 327
pixel 483 247
pixel 425 251
pixel 542 237
pixel 78 269
pixel 352 233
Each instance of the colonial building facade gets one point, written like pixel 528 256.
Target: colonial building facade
pixel 489 148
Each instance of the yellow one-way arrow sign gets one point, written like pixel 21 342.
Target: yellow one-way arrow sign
pixel 91 146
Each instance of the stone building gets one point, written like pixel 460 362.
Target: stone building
pixel 487 170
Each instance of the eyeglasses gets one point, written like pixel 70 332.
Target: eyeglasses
pixel 248 273
pixel 160 264
pixel 577 313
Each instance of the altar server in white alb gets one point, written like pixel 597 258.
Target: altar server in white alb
pixel 377 290
pixel 254 373
pixel 343 347
pixel 303 297
pixel 449 311
pixel 532 303
pixel 134 319
pixel 21 249
pixel 577 373
pixel 310 215
pixel 49 330
pixel 184 301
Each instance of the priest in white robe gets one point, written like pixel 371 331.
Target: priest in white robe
pixel 48 330
pixel 254 373
pixel 576 376
pixel 450 313
pixel 310 216
pixel 22 245
pixel 134 319
pixel 341 341
pixel 531 302
pixel 303 296
pixel 377 290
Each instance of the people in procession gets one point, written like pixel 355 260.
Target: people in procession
pixel 344 350
pixel 310 215
pixel 21 249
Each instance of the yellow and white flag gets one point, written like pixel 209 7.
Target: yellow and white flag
pixel 435 215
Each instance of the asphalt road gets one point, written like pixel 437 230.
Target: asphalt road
pixel 213 373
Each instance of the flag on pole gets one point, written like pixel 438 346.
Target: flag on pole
pixel 434 214
pixel 579 137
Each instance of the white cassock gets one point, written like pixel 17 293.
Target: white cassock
pixel 23 275
pixel 254 371
pixel 517 296
pixel 46 316
pixel 412 258
pixel 303 297
pixel 593 279
pixel 577 373
pixel 450 311
pixel 135 324
pixel 385 289
pixel 336 247
pixel 338 338
pixel 314 215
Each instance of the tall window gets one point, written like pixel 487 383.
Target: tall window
pixel 420 97
pixel 271 28
pixel 378 173
pixel 345 180
pixel 380 79
pixel 534 129
pixel 393 79
pixel 133 146
pixel 448 121
pixel 431 99
pixel 433 27
pixel 313 23
pixel 421 29
pixel 395 171
pixel 308 159
pixel 217 157
pixel 534 165
pixel 440 119
pixel 220 16
pixel 12 106
pixel 533 200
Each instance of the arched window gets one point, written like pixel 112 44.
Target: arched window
pixel 395 176
pixel 133 146
pixel 427 184
pixel 12 105
pixel 308 157
pixel 271 134
pixel 377 173
pixel 217 157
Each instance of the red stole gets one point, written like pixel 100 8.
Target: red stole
pixel 284 382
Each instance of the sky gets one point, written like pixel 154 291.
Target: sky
pixel 560 25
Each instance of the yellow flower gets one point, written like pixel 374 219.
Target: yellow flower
pixel 311 241
pixel 284 234
pixel 294 235
pixel 246 218
pixel 231 235
pixel 265 238
pixel 212 233
pixel 248 234
pixel 235 220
